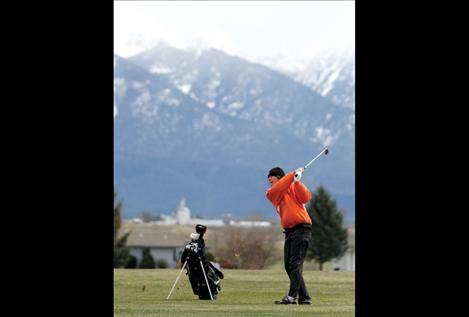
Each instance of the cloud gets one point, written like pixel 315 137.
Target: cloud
pixel 244 28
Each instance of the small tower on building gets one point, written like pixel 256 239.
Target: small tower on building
pixel 183 214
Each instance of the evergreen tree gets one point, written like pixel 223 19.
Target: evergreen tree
pixel 329 237
pixel 121 251
pixel 147 261
pixel 161 264
pixel 131 263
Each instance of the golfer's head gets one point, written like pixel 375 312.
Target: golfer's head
pixel 275 174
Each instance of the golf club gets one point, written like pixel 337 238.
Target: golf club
pixel 325 151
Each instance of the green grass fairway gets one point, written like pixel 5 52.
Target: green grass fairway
pixel 244 293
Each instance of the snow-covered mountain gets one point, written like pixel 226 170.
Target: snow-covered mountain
pixel 331 75
pixel 208 126
pixel 247 91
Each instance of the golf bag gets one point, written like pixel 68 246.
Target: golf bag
pixel 198 269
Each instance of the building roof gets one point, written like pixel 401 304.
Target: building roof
pixel 151 235
pixel 158 235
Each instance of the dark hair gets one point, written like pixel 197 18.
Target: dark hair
pixel 276 171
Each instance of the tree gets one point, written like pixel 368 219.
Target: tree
pixel 131 263
pixel 121 251
pixel 329 237
pixel 147 261
pixel 247 248
pixel 209 256
pixel 161 264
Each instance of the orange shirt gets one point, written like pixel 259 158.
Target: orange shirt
pixel 288 198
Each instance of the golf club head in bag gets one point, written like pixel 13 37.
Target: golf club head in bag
pixel 199 270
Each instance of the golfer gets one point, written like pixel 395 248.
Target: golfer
pixel 288 195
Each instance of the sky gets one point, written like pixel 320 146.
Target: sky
pixel 248 29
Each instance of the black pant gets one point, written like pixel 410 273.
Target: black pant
pixel 296 245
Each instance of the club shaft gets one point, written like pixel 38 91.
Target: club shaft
pixel 206 280
pixel 177 279
pixel 306 166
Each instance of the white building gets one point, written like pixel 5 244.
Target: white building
pixel 183 214
pixel 183 217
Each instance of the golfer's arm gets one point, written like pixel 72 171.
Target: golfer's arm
pixel 275 193
pixel 302 193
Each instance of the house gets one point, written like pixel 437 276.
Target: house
pixel 347 262
pixel 167 238
pixel 166 243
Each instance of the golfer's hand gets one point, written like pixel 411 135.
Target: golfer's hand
pixel 298 173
